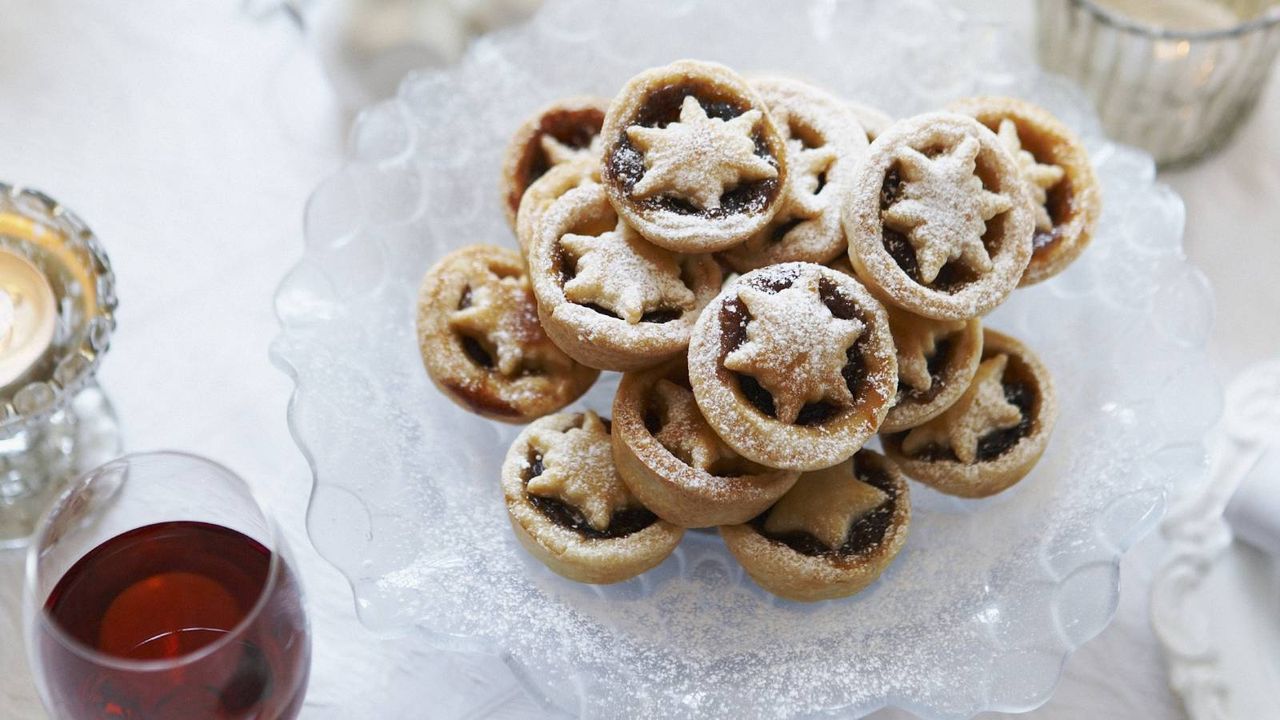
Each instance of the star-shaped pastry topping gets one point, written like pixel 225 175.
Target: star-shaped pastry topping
pixel 558 152
pixel 1040 177
pixel 578 469
pixel 621 272
pixel 685 433
pixel 698 157
pixel 795 347
pixel 945 208
pixel 981 410
pixel 916 339
pixel 803 203
pixel 503 314
pixel 825 504
pixel 807 165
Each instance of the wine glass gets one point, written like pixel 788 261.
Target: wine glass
pixel 158 587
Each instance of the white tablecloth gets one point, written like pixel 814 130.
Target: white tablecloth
pixel 189 135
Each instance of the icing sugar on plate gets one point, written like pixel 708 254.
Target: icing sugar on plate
pixel 986 598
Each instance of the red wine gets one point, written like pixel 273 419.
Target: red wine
pixel 177 592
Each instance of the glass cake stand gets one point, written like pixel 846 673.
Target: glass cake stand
pixel 987 599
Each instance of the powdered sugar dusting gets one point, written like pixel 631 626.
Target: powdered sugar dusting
pixel 570 308
pixel 794 346
pixel 976 589
pixel 825 143
pixel 797 351
pixel 946 210
pixel 703 162
pixel 699 158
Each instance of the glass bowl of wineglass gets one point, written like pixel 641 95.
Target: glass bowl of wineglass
pixel 158 587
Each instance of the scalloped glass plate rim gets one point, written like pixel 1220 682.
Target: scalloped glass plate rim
pixel 1108 565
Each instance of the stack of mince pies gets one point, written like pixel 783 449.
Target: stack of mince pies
pixel 781 276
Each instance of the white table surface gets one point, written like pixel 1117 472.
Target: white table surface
pixel 189 135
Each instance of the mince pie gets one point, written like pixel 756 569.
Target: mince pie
pixel 793 365
pixel 565 131
pixel 1060 182
pixel 692 159
pixel 831 535
pixel 993 435
pixel 608 297
pixel 824 144
pixel 675 463
pixel 747 398
pixel 938 223
pixel 546 190
pixel 481 341
pixel 571 510
pixel 936 362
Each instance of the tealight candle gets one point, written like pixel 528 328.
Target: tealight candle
pixel 28 311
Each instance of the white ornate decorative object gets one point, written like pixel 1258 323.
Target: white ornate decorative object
pixel 1203 638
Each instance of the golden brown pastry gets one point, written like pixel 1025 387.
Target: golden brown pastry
pixel 675 463
pixel 936 362
pixel 608 297
pixel 993 435
pixel 831 535
pixel 824 144
pixel 481 342
pixel 565 131
pixel 692 159
pixel 938 223
pixel 546 190
pixel 793 366
pixel 571 510
pixel 1061 184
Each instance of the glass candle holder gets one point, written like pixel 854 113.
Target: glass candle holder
pixel 57 313
pixel 1175 78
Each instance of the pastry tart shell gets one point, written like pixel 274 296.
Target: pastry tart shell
pixel 574 121
pixel 818 121
pixel 1074 203
pixel 677 492
pixel 1007 238
pixel 455 373
pixel 564 550
pixel 764 439
pixel 699 231
pixel 984 478
pixel 963 356
pixel 588 336
pixel 545 191
pixel 793 575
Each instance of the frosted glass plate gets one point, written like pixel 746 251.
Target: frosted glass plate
pixel 987 599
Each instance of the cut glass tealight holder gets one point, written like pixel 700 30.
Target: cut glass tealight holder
pixel 1175 78
pixel 55 422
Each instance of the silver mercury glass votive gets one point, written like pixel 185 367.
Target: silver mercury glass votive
pixel 57 313
pixel 1175 78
